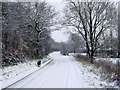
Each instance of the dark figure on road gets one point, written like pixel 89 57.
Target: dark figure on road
pixel 39 63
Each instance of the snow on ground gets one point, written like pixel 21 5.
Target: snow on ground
pixel 12 74
pixel 83 53
pixel 62 72
pixel 92 78
pixel 11 71
pixel 71 54
pixel 0 78
pixel 113 60
pixel 77 53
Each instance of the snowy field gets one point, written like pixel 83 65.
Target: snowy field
pixel 61 72
pixel 112 60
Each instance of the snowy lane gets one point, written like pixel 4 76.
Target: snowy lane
pixel 61 72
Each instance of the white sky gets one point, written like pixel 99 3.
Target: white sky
pixel 59 35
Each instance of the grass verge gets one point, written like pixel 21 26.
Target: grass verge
pixel 108 71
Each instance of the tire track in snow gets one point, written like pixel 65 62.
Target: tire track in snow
pixel 23 78
pixel 54 81
pixel 79 80
pixel 68 75
pixel 46 79
pixel 31 77
pixel 42 77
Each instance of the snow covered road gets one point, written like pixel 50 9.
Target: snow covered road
pixel 61 72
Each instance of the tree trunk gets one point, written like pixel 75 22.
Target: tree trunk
pixel 118 54
pixel 92 56
pixel 88 50
pixel 119 30
pixel 91 59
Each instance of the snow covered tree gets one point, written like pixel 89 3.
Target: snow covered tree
pixel 0 34
pixel 26 30
pixel 119 29
pixel 42 18
pixel 90 20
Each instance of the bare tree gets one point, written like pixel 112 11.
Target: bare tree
pixel 89 19
pixel 0 34
pixel 119 29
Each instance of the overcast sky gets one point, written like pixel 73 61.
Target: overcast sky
pixel 59 35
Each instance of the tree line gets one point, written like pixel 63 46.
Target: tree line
pixel 26 30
